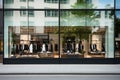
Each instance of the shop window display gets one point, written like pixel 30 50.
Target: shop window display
pixel 76 29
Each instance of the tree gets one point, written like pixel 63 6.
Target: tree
pixel 88 15
pixel 83 4
pixel 74 18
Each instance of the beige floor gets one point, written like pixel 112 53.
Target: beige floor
pixel 56 56
pixel 1 58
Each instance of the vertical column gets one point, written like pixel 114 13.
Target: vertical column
pixel 110 41
pixel 6 36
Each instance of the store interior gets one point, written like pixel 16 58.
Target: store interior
pixel 75 42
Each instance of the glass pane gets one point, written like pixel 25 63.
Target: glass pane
pixel 44 4
pixel 87 4
pixel 86 35
pixel 15 33
pixel 102 23
pixel 36 4
pixel 35 36
pixel 105 4
pixel 44 37
pixel 117 35
pixel 72 34
pixel 15 4
pixel 117 4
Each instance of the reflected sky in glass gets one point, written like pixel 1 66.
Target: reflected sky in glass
pixel 118 4
pixel 118 14
pixel 103 3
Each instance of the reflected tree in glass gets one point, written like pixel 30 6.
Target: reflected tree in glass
pixel 83 4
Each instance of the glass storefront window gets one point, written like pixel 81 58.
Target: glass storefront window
pixel 60 29
pixel 31 36
pixel 45 35
pixel 83 34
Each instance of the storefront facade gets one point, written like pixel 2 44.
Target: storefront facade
pixel 60 31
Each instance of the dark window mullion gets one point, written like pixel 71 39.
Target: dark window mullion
pixel 114 26
pixel 28 17
pixel 59 29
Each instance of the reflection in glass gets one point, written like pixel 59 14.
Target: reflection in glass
pixel 32 37
pixel 35 4
pixel 117 35
pixel 88 4
pixel 117 4
pixel 85 35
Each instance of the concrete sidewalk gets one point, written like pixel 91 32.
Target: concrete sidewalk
pixel 55 68
pixel 59 77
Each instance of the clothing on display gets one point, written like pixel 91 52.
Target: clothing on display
pixel 77 47
pixel 80 49
pixel 56 47
pixel 50 47
pixel 34 47
pixel 93 47
pixel 43 48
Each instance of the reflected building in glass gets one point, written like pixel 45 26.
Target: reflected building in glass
pixel 47 29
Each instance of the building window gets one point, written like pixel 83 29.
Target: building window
pixel 9 1
pixel 50 13
pixel 64 1
pixel 22 0
pixel 31 13
pixel 51 1
pixel 31 0
pixel 57 1
pixel 23 13
pixel 8 13
pixel 64 13
pixel 88 1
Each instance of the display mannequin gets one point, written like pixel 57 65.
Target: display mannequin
pixel 39 47
pixel 93 47
pixel 50 47
pixel 80 49
pixel 43 48
pixel 22 47
pixel 77 47
pixel 31 48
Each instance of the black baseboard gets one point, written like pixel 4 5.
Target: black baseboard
pixel 61 61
